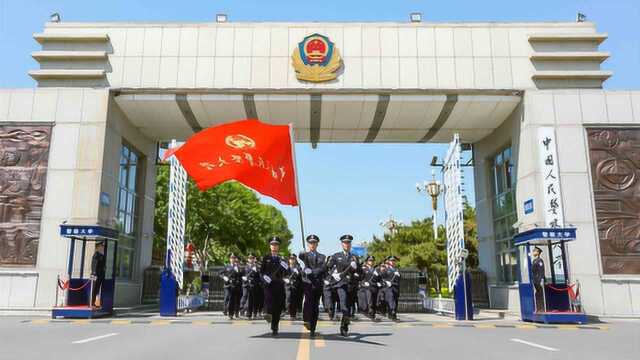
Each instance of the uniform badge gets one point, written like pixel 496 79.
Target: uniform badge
pixel 316 59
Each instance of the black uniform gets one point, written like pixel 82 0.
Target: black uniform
pixel 368 291
pixel 273 270
pixel 293 289
pixel 342 266
pixel 251 290
pixel 391 290
pixel 329 295
pixel 98 265
pixel 232 276
pixel 537 272
pixel 312 282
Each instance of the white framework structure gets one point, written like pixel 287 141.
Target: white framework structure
pixel 176 220
pixel 454 219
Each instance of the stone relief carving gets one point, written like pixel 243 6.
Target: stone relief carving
pixel 24 153
pixel 615 167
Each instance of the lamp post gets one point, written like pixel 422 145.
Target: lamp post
pixel 391 225
pixel 433 189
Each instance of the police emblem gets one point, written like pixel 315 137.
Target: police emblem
pixel 316 59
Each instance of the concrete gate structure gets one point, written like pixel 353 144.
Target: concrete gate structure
pixel 81 146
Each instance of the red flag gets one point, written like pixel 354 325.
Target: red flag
pixel 256 154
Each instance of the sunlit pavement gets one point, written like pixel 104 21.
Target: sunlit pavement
pixel 145 335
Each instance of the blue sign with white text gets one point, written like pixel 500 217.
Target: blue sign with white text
pixel 528 206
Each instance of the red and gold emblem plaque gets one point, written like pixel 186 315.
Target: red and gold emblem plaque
pixel 316 59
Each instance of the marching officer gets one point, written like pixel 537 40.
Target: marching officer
pixel 329 295
pixel 342 266
pixel 368 292
pixel 293 287
pixel 273 270
pixel 312 282
pixel 391 288
pixel 251 288
pixel 232 276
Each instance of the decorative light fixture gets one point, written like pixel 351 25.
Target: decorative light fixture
pixel 221 18
pixel 391 225
pixel 55 17
pixel 433 189
pixel 415 17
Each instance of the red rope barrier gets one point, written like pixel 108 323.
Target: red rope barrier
pixel 569 289
pixel 65 285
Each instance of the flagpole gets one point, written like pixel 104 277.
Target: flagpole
pixel 295 170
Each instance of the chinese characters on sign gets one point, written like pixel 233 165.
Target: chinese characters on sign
pixel 552 205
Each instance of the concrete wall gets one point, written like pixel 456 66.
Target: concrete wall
pixel 73 181
pixel 376 55
pixel 570 111
pixel 501 296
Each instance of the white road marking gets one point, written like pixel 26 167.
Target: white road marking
pixel 534 345
pixel 94 338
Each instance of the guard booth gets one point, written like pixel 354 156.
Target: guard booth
pixel 74 289
pixel 558 300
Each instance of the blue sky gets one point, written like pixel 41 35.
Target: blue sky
pixel 344 188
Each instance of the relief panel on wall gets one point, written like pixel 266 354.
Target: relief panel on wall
pixel 615 169
pixel 24 153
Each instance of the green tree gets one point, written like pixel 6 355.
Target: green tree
pixel 227 218
pixel 417 247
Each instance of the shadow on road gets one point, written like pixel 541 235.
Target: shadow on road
pixel 357 338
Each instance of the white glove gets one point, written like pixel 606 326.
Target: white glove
pixel 225 278
pixel 379 285
pixel 235 268
pixel 267 279
pixel 253 268
pixel 287 281
pixel 244 278
pixel 397 273
pixel 284 264
pixel 354 265
pixel 326 282
pixel 307 271
pixel 336 276
pixel 356 275
pixel 375 273
pixel 388 283
pixel 295 271
pixel 366 283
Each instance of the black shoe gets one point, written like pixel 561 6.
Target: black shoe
pixel 274 332
pixel 312 334
pixel 332 316
pixel 230 317
pixel 267 317
pixel 307 325
pixel 344 330
pixel 224 313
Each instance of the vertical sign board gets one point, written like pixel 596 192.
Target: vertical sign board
pixel 176 221
pixel 453 203
pixel 552 198
pixel 548 158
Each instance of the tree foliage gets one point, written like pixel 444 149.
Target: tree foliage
pixel 417 247
pixel 227 218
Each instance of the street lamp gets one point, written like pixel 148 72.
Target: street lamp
pixel 433 189
pixel 391 225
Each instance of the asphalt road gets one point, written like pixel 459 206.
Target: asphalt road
pixel 214 337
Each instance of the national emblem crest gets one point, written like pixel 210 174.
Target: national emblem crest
pixel 316 59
